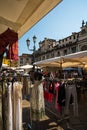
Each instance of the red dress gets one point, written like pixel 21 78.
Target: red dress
pixel 57 106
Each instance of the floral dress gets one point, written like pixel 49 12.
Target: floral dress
pixel 37 101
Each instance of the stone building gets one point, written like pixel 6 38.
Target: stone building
pixel 25 59
pixel 49 48
pixel 45 46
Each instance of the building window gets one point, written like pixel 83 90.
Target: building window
pixel 21 62
pixel 58 53
pixel 39 59
pixel 52 55
pixel 48 56
pixel 74 37
pixel 66 39
pixel 43 57
pixel 21 58
pixel 27 59
pixel 83 48
pixel 73 49
pixel 65 52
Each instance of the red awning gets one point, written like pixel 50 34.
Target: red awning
pixel 7 38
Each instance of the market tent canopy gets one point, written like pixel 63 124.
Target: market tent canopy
pixel 25 67
pixel 70 60
pixel 21 15
pixel 4 65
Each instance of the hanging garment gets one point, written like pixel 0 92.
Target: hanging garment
pixel 61 95
pixel 37 101
pixel 57 106
pixel 10 111
pixel 7 113
pixel 49 90
pixel 13 51
pixel 48 96
pixel 17 105
pixel 71 91
pixel 51 87
pixel 1 59
pixel 25 85
pixel 52 75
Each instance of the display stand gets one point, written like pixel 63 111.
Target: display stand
pixel 62 118
pixel 65 117
pixel 29 125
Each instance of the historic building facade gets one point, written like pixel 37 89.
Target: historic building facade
pixel 49 48
pixel 25 59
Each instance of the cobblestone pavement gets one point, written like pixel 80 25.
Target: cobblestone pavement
pixel 54 121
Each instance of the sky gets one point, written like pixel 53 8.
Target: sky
pixel 59 23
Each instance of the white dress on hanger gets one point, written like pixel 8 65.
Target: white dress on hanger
pixel 37 101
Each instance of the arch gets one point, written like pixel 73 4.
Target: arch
pixel 84 47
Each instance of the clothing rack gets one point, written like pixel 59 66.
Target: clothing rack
pixel 65 117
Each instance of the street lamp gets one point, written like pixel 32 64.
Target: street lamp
pixel 34 47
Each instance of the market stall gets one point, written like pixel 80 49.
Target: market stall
pixel 78 59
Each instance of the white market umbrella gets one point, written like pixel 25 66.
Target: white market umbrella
pixel 4 65
pixel 78 59
pixel 70 60
pixel 12 68
pixel 85 66
pixel 26 67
